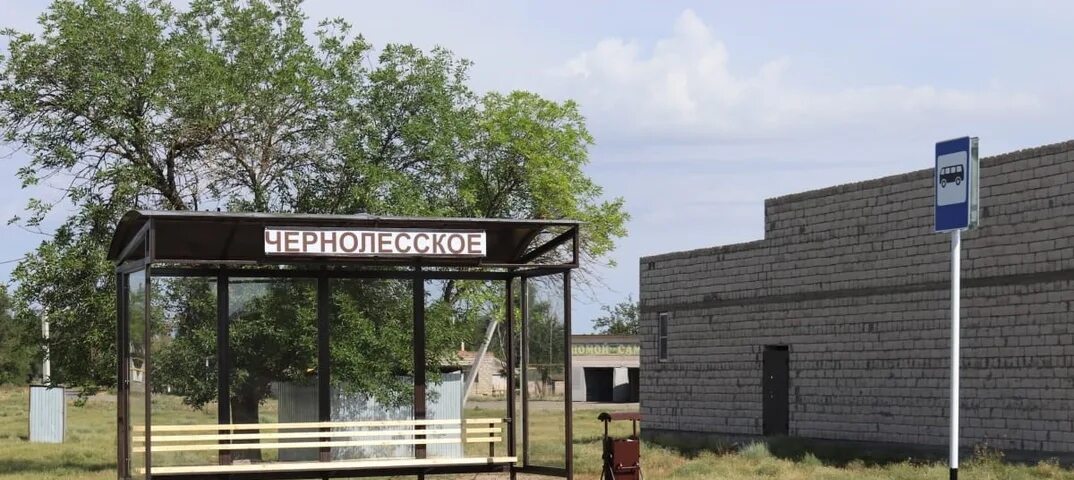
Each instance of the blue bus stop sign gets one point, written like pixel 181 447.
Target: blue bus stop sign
pixel 956 184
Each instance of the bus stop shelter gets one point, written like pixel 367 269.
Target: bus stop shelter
pixel 175 269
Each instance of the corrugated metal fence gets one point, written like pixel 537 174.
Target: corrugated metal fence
pixel 446 404
pixel 48 414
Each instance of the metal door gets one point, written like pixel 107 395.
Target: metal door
pixel 776 390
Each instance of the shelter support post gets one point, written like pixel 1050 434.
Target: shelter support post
pixel 525 312
pixel 123 392
pixel 324 399
pixel 418 348
pixel 568 400
pixel 148 363
pixel 223 361
pixel 509 352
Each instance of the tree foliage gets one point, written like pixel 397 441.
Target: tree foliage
pixel 69 280
pixel 618 319
pixel 229 104
pixel 18 344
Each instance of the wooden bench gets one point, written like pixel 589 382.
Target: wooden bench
pixel 322 435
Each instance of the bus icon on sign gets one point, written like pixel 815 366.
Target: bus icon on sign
pixel 952 174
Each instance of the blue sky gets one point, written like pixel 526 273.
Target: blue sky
pixel 701 110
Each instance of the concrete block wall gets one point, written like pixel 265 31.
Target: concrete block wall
pixel 853 280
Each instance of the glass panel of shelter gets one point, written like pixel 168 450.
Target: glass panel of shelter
pixel 545 400
pixel 183 324
pixel 467 336
pixel 135 309
pixel 371 339
pixel 273 360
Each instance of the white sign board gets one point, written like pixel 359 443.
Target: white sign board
pixel 951 172
pixel 300 241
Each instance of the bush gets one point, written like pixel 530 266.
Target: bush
pixel 755 451
pixel 811 460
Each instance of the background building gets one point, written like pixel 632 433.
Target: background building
pixel 836 325
pixel 605 368
pixel 490 380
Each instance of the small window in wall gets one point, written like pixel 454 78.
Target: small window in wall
pixel 662 336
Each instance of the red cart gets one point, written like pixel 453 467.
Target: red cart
pixel 622 456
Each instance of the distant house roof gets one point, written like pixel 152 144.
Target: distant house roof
pixel 597 338
pixel 466 358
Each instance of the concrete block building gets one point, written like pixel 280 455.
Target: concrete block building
pixel 836 324
pixel 605 368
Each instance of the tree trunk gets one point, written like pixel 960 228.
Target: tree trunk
pixel 244 410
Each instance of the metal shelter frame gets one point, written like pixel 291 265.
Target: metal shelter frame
pixel 221 246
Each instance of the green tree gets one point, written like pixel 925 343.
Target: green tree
pixel 69 279
pixel 229 104
pixel 618 319
pixel 545 341
pixel 185 316
pixel 18 344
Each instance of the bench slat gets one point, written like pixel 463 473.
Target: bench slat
pixel 288 426
pixel 333 434
pixel 285 445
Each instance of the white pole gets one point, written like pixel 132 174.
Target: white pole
pixel 46 363
pixel 956 250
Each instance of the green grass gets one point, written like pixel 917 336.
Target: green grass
pixel 90 452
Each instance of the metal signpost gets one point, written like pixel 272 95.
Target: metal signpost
pixel 957 199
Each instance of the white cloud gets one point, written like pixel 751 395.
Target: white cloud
pixel 685 87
